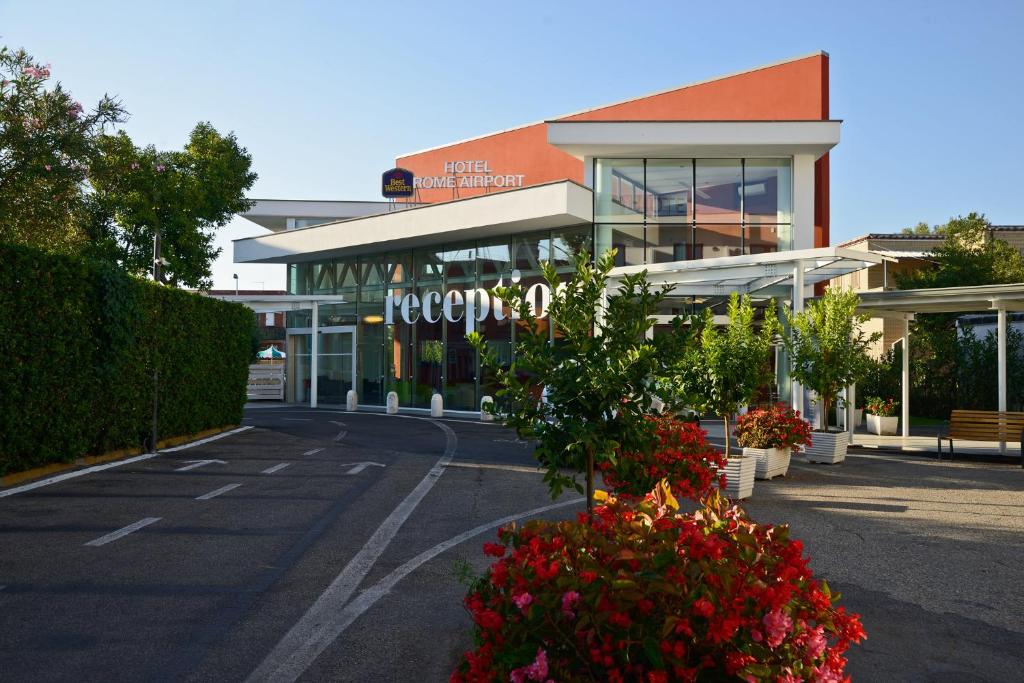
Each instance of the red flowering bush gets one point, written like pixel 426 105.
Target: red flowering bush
pixel 640 592
pixel 777 426
pixel 883 407
pixel 681 454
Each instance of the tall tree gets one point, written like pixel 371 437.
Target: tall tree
pixel 184 195
pixel 48 142
pixel 726 366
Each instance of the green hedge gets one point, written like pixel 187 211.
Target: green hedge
pixel 78 344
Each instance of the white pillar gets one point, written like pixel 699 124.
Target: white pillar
pixel 797 389
pixel 314 351
pixel 905 379
pixel 485 414
pixel 851 409
pixel 803 201
pixel 1001 363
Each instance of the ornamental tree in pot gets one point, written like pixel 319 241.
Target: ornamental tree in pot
pixel 882 415
pixel 769 434
pixel 723 370
pixel 598 375
pixel 828 350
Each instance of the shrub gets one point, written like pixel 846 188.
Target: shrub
pixel 777 426
pixel 640 592
pixel 883 407
pixel 80 343
pixel 681 455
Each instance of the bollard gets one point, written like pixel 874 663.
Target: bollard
pixel 436 406
pixel 392 403
pixel 484 415
pixel 657 405
pixel 351 400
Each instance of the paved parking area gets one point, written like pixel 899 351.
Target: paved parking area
pixel 322 545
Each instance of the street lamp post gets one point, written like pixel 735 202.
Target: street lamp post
pixel 236 283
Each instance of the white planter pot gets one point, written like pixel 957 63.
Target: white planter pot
pixel 771 462
pixel 827 447
pixel 739 476
pixel 887 426
pixel 858 417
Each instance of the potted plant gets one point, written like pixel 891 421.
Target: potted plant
pixel 882 418
pixel 722 370
pixel 769 435
pixel 828 349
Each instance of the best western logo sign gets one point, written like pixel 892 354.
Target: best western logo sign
pixel 397 182
pixel 468 174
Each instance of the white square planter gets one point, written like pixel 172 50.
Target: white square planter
pixel 887 426
pixel 771 462
pixel 739 476
pixel 827 447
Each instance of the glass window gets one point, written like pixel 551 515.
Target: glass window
pixel 764 239
pixel 529 250
pixel 567 243
pixel 628 240
pixel 670 189
pixel 494 260
pixel 398 353
pixel 716 241
pixel 619 190
pixel 429 345
pixel 768 191
pixel 460 263
pixel 668 242
pixel 399 267
pixel 429 264
pixel 718 190
pixel 346 273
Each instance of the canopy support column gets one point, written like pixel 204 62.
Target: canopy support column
pixel 314 352
pixel 798 306
pixel 905 378
pixel 1001 363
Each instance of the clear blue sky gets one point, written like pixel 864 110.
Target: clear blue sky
pixel 325 95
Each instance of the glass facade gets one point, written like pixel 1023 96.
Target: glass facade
pixel 662 210
pixel 431 354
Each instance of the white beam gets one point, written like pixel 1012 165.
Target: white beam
pixel 1001 363
pixel 314 351
pixel 905 378
pixel 798 306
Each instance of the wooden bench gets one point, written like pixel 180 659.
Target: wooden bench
pixel 983 425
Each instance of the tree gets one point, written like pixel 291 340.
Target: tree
pixel 597 377
pixel 48 143
pixel 968 255
pixel 921 228
pixel 185 195
pixel 725 367
pixel 828 347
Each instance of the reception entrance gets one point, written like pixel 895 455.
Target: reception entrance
pixel 336 364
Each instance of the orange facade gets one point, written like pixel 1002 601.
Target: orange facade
pixel 796 90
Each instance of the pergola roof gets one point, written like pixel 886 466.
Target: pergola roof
pixel 766 274
pixel 943 300
pixel 274 303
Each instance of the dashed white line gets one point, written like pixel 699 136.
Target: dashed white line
pixel 275 468
pixel 298 419
pixel 217 492
pixel 313 452
pixel 124 531
pixel 320 625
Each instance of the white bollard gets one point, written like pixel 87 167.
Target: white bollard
pixel 484 415
pixel 436 406
pixel 657 405
pixel 351 400
pixel 392 403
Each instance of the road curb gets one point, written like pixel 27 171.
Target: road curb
pixel 16 478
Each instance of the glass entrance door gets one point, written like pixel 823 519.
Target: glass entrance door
pixel 336 364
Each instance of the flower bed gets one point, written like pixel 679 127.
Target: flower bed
pixel 681 455
pixel 883 407
pixel 640 592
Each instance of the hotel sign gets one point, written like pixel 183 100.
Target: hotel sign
pixel 468 174
pixel 398 182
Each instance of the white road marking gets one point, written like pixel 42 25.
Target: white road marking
pixel 103 540
pixel 343 616
pixel 217 492
pixel 335 422
pixel 341 435
pixel 358 467
pixel 119 463
pixel 313 452
pixel 298 419
pixel 275 468
pixel 198 463
pixel 319 626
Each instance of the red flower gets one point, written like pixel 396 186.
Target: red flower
pixel 704 608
